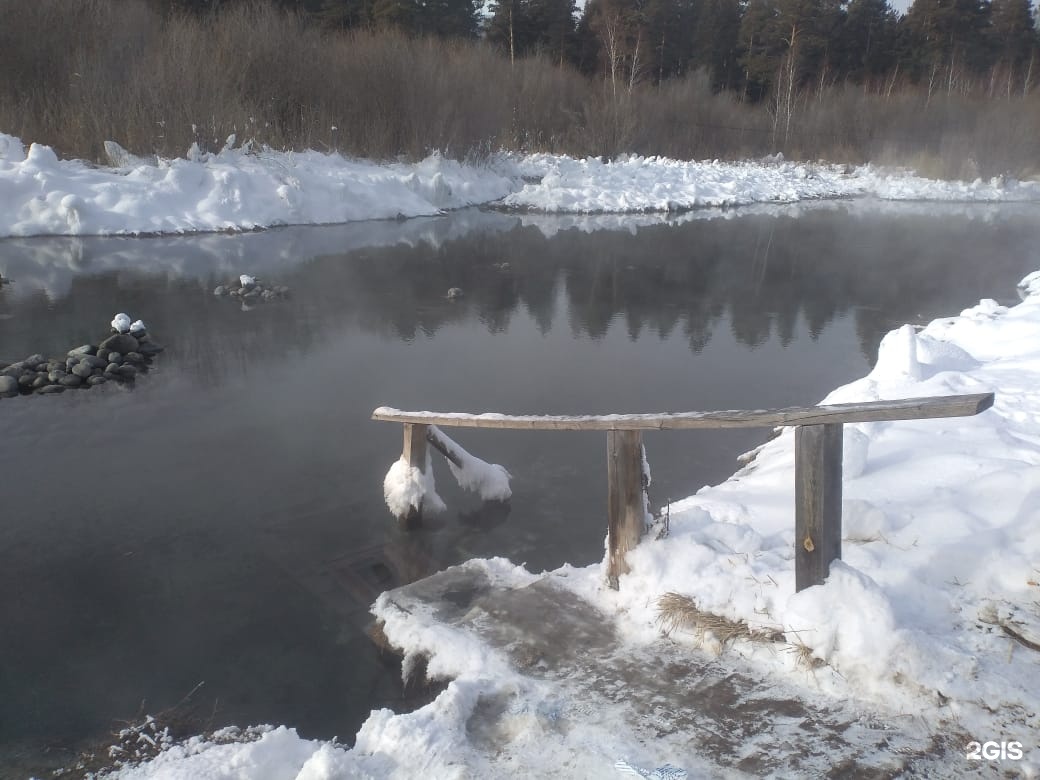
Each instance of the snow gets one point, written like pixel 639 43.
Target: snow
pixel 634 184
pixel 278 753
pixel 407 487
pixel 488 480
pixel 245 188
pixel 234 189
pixel 121 323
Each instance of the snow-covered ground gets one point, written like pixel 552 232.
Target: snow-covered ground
pixel 240 188
pixel 926 623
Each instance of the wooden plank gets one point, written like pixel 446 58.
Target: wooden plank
pixel 442 446
pixel 625 515
pixel 415 453
pixel 817 502
pixel 870 411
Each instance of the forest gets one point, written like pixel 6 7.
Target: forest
pixel 948 87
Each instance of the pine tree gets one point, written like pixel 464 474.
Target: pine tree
pixel 761 47
pixel 1014 42
pixel 946 40
pixel 552 27
pixel 344 14
pixel 444 18
pixel 715 41
pixel 509 27
pixel 867 40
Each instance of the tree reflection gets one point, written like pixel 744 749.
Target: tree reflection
pixel 759 277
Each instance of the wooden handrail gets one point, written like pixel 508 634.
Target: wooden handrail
pixel 818 456
pixel 868 411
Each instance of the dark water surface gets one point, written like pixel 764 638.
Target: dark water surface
pixel 223 521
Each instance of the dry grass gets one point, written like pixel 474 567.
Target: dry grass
pixel 146 736
pixel 676 612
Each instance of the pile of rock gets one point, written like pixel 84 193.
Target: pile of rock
pixel 122 357
pixel 250 290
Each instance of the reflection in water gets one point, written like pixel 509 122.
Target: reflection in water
pixel 224 520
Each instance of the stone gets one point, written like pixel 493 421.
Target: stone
pixel 220 290
pixel 133 357
pixel 55 365
pixel 127 372
pixel 49 389
pixel 102 354
pixel 56 376
pixel 149 349
pixel 34 360
pixel 252 295
pixel 71 380
pixel 96 380
pixel 14 370
pixel 111 368
pixel 41 380
pixel 26 380
pixel 8 385
pixel 86 349
pixel 82 370
pixel 94 361
pixel 115 357
pixel 120 342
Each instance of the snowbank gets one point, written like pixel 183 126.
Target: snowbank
pixel 652 184
pixel 235 189
pixel 243 188
pixel 941 532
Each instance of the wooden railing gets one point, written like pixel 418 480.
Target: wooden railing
pixel 818 461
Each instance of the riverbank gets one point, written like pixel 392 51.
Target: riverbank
pixel 244 188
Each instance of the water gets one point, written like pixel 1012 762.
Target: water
pixel 223 521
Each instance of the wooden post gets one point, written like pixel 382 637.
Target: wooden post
pixel 817 502
pixel 625 512
pixel 442 446
pixel 415 453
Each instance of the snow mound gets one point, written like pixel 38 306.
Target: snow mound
pixel 406 488
pixel 633 184
pixel 488 480
pixel 245 188
pixel 234 189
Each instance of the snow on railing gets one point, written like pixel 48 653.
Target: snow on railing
pixel 409 487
